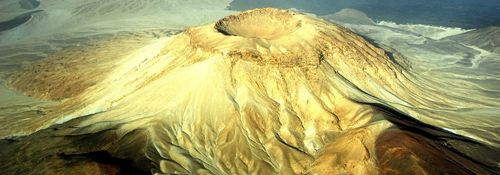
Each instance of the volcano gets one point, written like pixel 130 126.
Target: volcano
pixel 264 91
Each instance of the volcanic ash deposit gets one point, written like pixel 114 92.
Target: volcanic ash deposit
pixel 264 91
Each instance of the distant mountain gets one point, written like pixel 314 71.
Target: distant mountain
pixel 351 16
pixel 467 14
pixel 487 38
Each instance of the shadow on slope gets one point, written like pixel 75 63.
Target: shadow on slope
pixel 433 149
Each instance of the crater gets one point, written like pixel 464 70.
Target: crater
pixel 263 24
pixel 278 37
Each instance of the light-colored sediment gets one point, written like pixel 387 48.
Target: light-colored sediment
pixel 265 91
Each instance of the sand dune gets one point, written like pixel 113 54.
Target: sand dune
pixel 17 21
pixel 29 4
pixel 486 38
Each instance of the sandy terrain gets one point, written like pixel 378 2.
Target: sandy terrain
pixel 266 91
